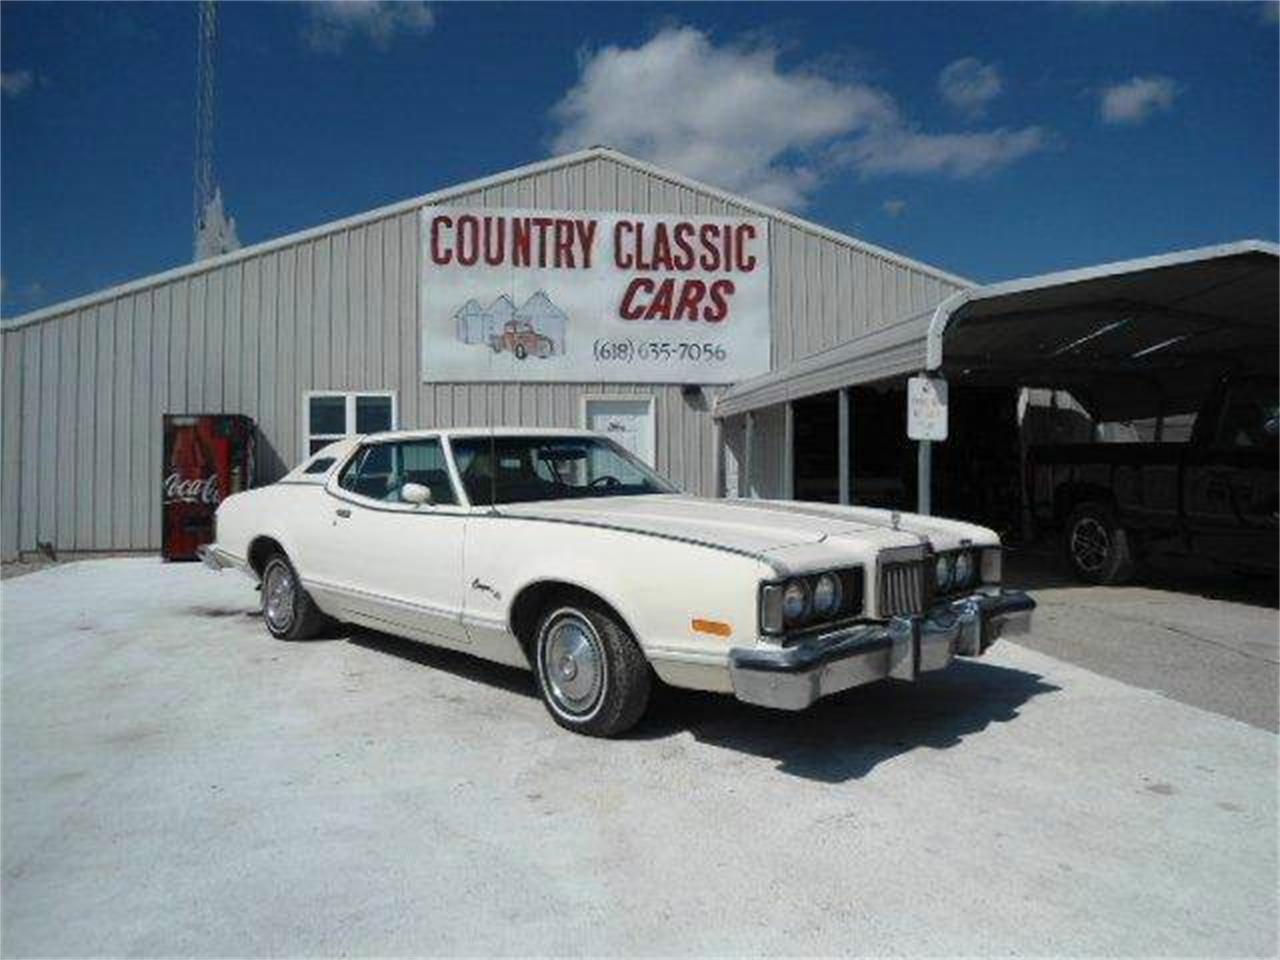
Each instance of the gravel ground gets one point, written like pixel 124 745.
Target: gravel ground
pixel 175 782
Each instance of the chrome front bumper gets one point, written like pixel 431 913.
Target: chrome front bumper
pixel 792 678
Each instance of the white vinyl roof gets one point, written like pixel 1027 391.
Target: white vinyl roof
pixel 1110 332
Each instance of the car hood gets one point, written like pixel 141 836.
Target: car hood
pixel 785 532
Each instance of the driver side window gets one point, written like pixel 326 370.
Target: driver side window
pixel 380 471
pixel 1248 417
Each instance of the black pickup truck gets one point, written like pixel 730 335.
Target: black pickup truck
pixel 1213 496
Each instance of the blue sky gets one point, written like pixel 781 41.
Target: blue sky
pixel 993 140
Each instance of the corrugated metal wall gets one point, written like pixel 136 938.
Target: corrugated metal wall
pixel 84 391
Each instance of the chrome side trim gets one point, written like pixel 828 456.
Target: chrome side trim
pixel 422 609
pixel 710 658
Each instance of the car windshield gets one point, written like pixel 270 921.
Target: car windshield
pixel 528 468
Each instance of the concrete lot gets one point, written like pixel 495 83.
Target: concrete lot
pixel 175 782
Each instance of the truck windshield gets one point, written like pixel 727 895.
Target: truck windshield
pixel 528 468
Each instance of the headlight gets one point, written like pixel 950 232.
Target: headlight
pixel 826 595
pixel 964 568
pixel 943 572
pixel 795 601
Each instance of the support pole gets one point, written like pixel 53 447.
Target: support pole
pixel 788 451
pixel 924 478
pixel 748 457
pixel 845 466
pixel 717 458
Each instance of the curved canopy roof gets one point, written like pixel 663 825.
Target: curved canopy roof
pixel 1128 338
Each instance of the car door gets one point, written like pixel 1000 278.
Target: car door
pixel 397 566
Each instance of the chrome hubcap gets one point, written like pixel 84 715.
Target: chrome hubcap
pixel 1090 544
pixel 279 591
pixel 573 663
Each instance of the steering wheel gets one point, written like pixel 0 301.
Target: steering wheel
pixel 606 480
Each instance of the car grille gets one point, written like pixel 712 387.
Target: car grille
pixel 902 588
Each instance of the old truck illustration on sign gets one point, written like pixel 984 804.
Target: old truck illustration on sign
pixel 536 329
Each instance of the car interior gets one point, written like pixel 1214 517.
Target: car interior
pixel 382 469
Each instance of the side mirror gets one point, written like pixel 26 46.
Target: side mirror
pixel 415 493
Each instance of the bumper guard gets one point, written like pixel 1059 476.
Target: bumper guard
pixel 792 678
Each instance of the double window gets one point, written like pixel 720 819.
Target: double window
pixel 331 415
pixel 380 471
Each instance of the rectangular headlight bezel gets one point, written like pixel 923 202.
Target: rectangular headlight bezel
pixel 852 602
pixel 992 565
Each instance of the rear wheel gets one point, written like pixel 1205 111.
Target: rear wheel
pixel 591 673
pixel 520 351
pixel 1097 546
pixel 287 609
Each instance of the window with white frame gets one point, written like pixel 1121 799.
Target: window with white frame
pixel 329 415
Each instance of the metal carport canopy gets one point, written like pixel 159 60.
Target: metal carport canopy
pixel 1123 336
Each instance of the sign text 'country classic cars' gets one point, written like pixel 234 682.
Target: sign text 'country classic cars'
pixel 566 296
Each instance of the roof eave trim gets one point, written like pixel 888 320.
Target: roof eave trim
pixel 300 236
pixel 446 193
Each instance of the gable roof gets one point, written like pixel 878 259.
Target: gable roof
pixel 448 193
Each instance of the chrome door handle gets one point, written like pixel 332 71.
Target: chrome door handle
pixel 343 512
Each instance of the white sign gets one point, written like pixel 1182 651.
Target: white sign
pixel 927 408
pixel 563 296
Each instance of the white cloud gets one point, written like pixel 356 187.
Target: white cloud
pixel 14 83
pixel 723 114
pixel 894 208
pixel 332 23
pixel 969 85
pixel 732 116
pixel 902 150
pixel 1135 99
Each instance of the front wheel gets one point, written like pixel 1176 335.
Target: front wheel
pixel 592 675
pixel 287 609
pixel 1097 546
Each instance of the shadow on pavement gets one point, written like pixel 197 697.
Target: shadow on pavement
pixel 1043 568
pixel 462 665
pixel 846 736
pixel 840 738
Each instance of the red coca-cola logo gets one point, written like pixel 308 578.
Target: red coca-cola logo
pixel 195 490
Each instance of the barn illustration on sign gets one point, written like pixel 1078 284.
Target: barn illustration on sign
pixel 536 329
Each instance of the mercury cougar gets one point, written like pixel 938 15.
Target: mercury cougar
pixel 561 552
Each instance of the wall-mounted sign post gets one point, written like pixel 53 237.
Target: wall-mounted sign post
pixel 926 423
pixel 927 408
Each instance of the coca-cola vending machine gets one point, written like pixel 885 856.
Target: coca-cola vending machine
pixel 207 456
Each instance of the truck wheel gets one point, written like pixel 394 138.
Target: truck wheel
pixel 287 609
pixel 592 675
pixel 520 351
pixel 1097 546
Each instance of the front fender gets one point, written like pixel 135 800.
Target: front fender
pixel 657 586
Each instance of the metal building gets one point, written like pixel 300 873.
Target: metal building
pixel 322 332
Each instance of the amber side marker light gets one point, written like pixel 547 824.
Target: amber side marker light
pixel 713 627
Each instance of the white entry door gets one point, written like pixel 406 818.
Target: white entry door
pixel 627 421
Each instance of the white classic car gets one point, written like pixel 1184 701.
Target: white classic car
pixel 557 550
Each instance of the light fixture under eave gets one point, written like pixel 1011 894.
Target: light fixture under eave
pixel 1145 351
pixel 1101 331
